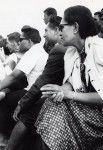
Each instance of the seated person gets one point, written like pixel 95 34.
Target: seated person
pixel 72 115
pixel 9 61
pixel 35 55
pixel 29 106
pixel 2 45
pixel 13 41
pixel 48 14
pixel 29 67
pixel 2 58
pixel 98 17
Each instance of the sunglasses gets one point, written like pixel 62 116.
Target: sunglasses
pixel 62 25
pixel 65 24
pixel 21 39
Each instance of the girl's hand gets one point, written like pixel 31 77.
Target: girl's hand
pixel 51 87
pixel 52 91
pixel 59 97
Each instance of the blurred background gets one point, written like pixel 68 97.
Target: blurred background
pixel 16 13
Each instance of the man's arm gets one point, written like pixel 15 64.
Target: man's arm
pixel 12 79
pixel 53 72
pixel 30 97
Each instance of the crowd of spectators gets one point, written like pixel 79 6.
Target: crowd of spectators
pixel 51 94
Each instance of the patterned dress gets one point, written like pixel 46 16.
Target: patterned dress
pixel 71 125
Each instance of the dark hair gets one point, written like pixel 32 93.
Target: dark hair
pixel 1 37
pixel 50 11
pixel 31 33
pixel 102 9
pixel 14 36
pixel 98 13
pixel 55 22
pixel 6 49
pixel 83 16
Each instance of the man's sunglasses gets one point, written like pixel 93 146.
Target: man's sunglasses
pixel 65 24
pixel 21 39
pixel 62 25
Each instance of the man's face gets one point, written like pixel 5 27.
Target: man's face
pixel 2 42
pixel 101 24
pixel 24 43
pixel 46 18
pixel 12 45
pixel 50 34
pixel 96 17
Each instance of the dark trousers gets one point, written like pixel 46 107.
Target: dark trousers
pixel 32 141
pixel 7 107
pixel 29 116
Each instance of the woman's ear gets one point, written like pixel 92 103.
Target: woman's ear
pixel 30 42
pixel 56 31
pixel 76 27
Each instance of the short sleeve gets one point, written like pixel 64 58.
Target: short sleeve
pixel 28 61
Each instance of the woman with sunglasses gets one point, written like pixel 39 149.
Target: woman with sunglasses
pixel 72 115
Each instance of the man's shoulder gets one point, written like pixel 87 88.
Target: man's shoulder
pixel 35 49
pixel 36 46
pixel 58 49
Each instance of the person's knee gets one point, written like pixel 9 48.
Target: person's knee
pixel 17 135
pixel 20 126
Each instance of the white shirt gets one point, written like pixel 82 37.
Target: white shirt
pixel 32 63
pixel 93 62
pixel 2 54
pixel 4 67
pixel 2 71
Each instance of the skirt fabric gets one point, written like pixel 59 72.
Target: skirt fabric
pixel 70 125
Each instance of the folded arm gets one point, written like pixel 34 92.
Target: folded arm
pixel 14 80
pixel 65 91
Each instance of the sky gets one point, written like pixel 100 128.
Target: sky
pixel 16 13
